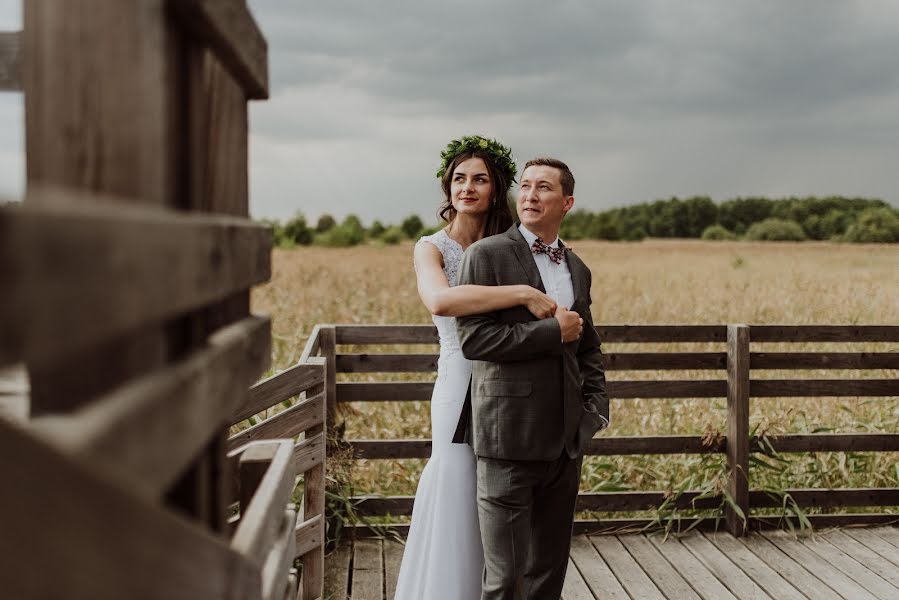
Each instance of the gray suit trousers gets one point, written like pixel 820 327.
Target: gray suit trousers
pixel 526 511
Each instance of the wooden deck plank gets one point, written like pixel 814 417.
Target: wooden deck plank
pixel 876 543
pixel 368 570
pixel 757 570
pixel 393 557
pixel 817 566
pixel 736 581
pixel 873 561
pixel 890 534
pixel 788 568
pixel 596 573
pixel 574 587
pixel 626 569
pixel 663 575
pixel 337 572
pixel 704 582
pixel 851 567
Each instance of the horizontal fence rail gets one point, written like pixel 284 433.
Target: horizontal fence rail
pixel 735 365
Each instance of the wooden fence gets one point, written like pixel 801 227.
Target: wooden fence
pixel 736 365
pixel 124 292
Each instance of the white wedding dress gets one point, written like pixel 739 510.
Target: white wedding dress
pixel 444 559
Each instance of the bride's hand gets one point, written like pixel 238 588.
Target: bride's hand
pixel 539 304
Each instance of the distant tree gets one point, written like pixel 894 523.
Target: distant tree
pixel 774 229
pixel 835 223
pixel 738 214
pixel 297 231
pixel 376 229
pixel 325 223
pixel 392 235
pixel 354 229
pixel 412 226
pixel 874 225
pixel 717 233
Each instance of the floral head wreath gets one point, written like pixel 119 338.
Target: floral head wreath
pixel 502 155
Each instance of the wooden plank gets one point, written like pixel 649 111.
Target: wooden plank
pixel 766 577
pixel 314 504
pixel 626 569
pixel 659 570
pixel 328 347
pixel 851 567
pixel 817 566
pixel 890 534
pixel 286 424
pixel 368 570
pixel 702 580
pixel 830 497
pixel 279 561
pixel 660 444
pixel 312 347
pixel 825 333
pixel 824 360
pixel 574 587
pixel 10 61
pixel 834 442
pixel 788 568
pixel 337 572
pixel 738 390
pixel 421 390
pixel 309 535
pixel 386 334
pixel 663 361
pixel 875 543
pixel 262 521
pixel 594 570
pixel 70 279
pixel 372 449
pixel 229 28
pixel 309 453
pixel 277 388
pixel 386 363
pixel 393 558
pixel 91 557
pixel 872 560
pixel 150 429
pixel 715 561
pixel 812 388
pixel 661 333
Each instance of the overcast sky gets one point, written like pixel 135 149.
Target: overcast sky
pixel 644 99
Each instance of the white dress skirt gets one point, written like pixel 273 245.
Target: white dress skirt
pixel 443 558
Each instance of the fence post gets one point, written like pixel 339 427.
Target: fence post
pixel 314 504
pixel 737 428
pixel 328 335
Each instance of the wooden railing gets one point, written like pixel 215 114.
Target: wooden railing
pixel 125 278
pixel 736 365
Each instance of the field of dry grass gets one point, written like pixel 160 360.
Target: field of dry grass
pixel 649 282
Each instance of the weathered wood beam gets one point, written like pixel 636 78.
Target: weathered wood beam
pixel 11 61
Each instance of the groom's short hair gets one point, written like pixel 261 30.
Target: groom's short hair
pixel 565 174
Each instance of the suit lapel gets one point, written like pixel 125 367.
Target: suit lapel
pixel 526 258
pixel 578 281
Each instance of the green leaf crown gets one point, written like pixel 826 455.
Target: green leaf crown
pixel 502 155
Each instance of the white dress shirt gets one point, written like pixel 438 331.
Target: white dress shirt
pixel 556 277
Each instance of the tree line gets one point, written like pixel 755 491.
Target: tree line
pixel 834 218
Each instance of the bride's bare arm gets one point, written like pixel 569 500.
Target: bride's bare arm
pixel 462 300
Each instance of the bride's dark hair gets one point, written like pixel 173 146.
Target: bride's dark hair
pixel 499 215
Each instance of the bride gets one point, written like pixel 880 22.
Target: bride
pixel 443 558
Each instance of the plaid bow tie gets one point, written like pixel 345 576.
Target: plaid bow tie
pixel 555 254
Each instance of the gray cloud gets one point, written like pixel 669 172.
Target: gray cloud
pixel 644 98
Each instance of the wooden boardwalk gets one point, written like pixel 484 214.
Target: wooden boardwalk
pixel 853 564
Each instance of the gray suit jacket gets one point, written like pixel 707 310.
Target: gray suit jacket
pixel 531 396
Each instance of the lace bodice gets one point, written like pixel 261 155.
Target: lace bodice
pixel 452 258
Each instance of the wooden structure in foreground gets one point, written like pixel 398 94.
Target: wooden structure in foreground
pixel 736 364
pixel 848 564
pixel 125 278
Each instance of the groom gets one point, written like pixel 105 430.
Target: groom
pixel 537 392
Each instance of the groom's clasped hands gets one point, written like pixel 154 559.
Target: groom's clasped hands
pixel 570 322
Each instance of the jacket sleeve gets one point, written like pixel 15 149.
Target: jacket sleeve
pixel 589 356
pixel 485 337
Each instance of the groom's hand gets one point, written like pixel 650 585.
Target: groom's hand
pixel 570 322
